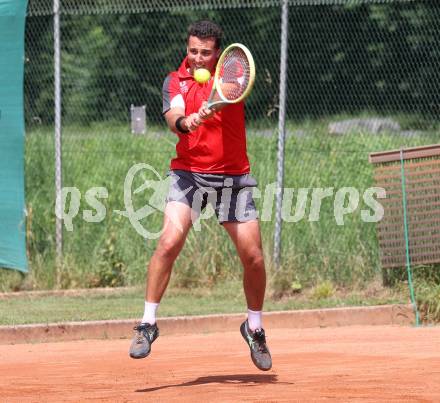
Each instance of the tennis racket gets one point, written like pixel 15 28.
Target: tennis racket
pixel 234 77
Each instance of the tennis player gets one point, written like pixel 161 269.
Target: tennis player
pixel 211 166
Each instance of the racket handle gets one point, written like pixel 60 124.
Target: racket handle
pixel 200 120
pixel 203 118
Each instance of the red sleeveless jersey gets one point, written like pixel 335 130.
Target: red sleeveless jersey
pixel 219 144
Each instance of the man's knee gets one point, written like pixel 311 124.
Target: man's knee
pixel 254 260
pixel 168 248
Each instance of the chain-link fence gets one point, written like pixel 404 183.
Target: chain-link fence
pixel 361 57
pixel 362 76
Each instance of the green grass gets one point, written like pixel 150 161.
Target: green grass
pixel 225 297
pixel 426 281
pixel 111 253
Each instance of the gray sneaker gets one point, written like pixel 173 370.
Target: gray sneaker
pixel 142 340
pixel 256 341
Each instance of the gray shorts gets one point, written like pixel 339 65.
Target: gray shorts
pixel 229 195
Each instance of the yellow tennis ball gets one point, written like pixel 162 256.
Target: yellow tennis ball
pixel 202 75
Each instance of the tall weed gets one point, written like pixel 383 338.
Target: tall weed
pixel 111 252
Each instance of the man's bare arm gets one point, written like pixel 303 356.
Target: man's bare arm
pixel 190 122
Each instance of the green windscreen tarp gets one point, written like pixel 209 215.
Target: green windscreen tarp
pixel 12 207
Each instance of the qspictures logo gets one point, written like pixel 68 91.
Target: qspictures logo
pixel 308 204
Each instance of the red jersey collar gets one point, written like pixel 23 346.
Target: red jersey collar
pixel 183 70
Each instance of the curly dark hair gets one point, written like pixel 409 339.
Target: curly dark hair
pixel 206 29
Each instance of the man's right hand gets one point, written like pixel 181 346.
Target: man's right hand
pixel 193 121
pixel 205 112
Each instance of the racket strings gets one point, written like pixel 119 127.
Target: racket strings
pixel 234 75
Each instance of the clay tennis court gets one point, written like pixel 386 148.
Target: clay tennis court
pixel 358 363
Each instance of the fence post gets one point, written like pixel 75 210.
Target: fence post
pixel 58 162
pixel 281 132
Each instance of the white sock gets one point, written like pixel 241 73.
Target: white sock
pixel 150 312
pixel 254 319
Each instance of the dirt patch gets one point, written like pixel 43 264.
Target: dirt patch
pixel 378 363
